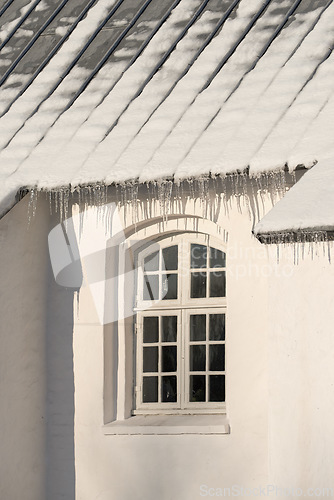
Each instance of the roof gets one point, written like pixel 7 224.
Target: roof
pixel 309 205
pixel 115 90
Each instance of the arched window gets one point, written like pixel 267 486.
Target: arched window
pixel 180 326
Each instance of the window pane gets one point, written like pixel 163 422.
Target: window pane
pixel 169 329
pixel 198 256
pixel 197 388
pixel 151 262
pixel 169 362
pixel 217 327
pixel 150 389
pixel 217 284
pixel 217 387
pixel 169 258
pixel 197 358
pixel 151 329
pixel 198 285
pixel 169 286
pixel 217 357
pixel 169 391
pixel 151 287
pixel 217 258
pixel 150 359
pixel 197 327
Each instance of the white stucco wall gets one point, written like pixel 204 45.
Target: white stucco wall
pixel 174 467
pixel 23 311
pixel 301 375
pixel 279 386
pixel 36 363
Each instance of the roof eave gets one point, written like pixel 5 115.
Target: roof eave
pixel 313 235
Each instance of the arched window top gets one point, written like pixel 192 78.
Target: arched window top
pixel 184 269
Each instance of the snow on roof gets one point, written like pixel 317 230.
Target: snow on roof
pixel 308 205
pixel 116 90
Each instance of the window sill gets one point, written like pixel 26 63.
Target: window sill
pixel 169 425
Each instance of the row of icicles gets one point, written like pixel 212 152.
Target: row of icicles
pixel 213 193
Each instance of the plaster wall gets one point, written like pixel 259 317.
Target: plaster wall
pixel 175 467
pixel 23 313
pixel 36 362
pixel 301 374
pixel 279 385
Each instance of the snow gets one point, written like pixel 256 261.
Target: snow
pixel 307 205
pixel 8 28
pixel 271 105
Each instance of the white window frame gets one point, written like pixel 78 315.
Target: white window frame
pixel 182 307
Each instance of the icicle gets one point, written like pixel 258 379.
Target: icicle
pixel 32 206
pixel 168 197
pixel 161 200
pixel 191 187
pixel 244 179
pixel 66 200
pixel 61 204
pixel 297 241
pixel 134 202
pixel 200 188
pixel 50 201
pixel 124 200
pixel 277 253
pixel 293 176
pixel 329 251
pixel 78 190
pixel 77 293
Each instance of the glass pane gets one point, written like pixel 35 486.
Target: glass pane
pixel 151 262
pixel 217 258
pixel 217 284
pixel 169 362
pixel 150 359
pixel 151 287
pixel 169 286
pixel 217 357
pixel 217 327
pixel 217 387
pixel 169 391
pixel 169 258
pixel 197 388
pixel 197 358
pixel 197 327
pixel 169 329
pixel 151 329
pixel 198 285
pixel 198 256
pixel 150 389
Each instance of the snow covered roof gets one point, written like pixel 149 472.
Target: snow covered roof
pixel 306 208
pixel 115 90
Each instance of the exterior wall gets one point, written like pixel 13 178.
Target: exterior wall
pixel 301 375
pixel 279 384
pixel 23 311
pixel 36 363
pixel 169 467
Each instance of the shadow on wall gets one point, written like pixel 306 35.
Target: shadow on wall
pixel 36 363
pixel 60 468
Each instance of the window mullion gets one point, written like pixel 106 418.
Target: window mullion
pixel 207 361
pixel 159 360
pixel 183 375
pixel 139 386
